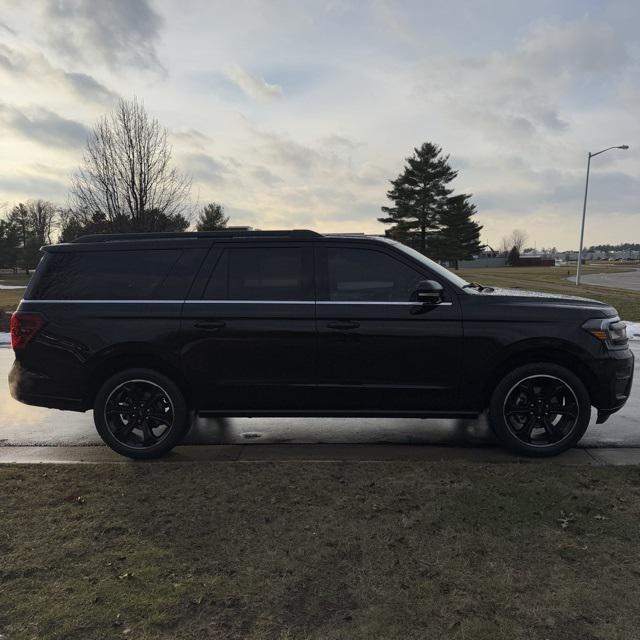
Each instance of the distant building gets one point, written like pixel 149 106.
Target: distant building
pixel 534 261
pixel 483 262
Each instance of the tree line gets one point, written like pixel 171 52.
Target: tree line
pixel 623 246
pixel 30 225
pixel 126 182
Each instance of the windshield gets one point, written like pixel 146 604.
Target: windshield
pixel 434 266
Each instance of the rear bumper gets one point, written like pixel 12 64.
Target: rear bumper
pixel 39 390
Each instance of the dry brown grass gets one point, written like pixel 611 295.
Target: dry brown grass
pixel 319 551
pixel 554 280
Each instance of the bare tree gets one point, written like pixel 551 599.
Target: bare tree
pixel 127 176
pixel 43 219
pixel 516 239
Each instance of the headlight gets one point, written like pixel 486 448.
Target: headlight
pixel 611 331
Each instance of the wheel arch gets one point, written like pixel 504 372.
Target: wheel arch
pixel 556 353
pixel 133 357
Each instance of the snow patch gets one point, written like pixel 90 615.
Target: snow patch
pixel 633 330
pixel 5 338
pixel 12 286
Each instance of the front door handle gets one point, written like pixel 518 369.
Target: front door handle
pixel 210 325
pixel 343 325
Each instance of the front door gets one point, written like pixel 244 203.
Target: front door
pixel 249 337
pixel 377 349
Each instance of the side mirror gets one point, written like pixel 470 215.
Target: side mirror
pixel 429 292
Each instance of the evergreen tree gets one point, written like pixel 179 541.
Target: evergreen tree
pixel 459 235
pixel 514 256
pixel 9 246
pixel 212 218
pixel 419 195
pixel 32 223
pixel 75 223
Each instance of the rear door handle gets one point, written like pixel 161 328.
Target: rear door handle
pixel 210 325
pixel 343 324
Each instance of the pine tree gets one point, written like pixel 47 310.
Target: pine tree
pixel 9 246
pixel 459 236
pixel 419 195
pixel 212 218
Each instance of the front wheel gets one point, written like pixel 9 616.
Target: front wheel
pixel 540 409
pixel 140 413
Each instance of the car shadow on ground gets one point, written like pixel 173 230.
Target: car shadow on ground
pixel 470 432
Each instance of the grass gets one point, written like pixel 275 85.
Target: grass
pixel 319 551
pixel 554 280
pixel 9 298
pixel 15 278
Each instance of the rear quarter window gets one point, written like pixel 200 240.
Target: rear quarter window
pixel 105 275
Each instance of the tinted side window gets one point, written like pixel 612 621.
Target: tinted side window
pixel 261 273
pixel 365 275
pixel 105 275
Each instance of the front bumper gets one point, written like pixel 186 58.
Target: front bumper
pixel 613 382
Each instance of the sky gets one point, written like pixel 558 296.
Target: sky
pixel 297 113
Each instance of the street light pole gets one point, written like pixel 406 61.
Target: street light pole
pixel 584 206
pixel 584 213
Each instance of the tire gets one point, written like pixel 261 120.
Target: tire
pixel 540 409
pixel 141 413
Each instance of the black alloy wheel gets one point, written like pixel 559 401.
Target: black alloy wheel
pixel 141 413
pixel 540 409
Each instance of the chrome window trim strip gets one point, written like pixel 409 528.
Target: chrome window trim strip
pixel 102 301
pixel 408 304
pixel 323 302
pixel 250 301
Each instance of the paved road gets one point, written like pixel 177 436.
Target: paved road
pixel 230 453
pixel 23 426
pixel 625 280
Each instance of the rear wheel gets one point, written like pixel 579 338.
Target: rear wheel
pixel 540 409
pixel 140 413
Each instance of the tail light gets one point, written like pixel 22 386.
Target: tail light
pixel 23 327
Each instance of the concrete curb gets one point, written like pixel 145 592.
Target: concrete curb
pixel 316 453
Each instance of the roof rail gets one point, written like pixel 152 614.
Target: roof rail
pixel 228 233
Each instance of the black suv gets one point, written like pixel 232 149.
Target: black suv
pixel 146 328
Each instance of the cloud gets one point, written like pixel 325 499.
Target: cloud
pixel 29 66
pixel 341 143
pixel 7 28
pixel 89 88
pixel 204 168
pixel 282 150
pixel 44 126
pixel 265 176
pixel 252 86
pixel 119 33
pixel 521 92
pixel 191 138
pixel 33 186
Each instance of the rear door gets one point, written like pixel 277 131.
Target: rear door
pixel 377 349
pixel 249 328
pixel 104 301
